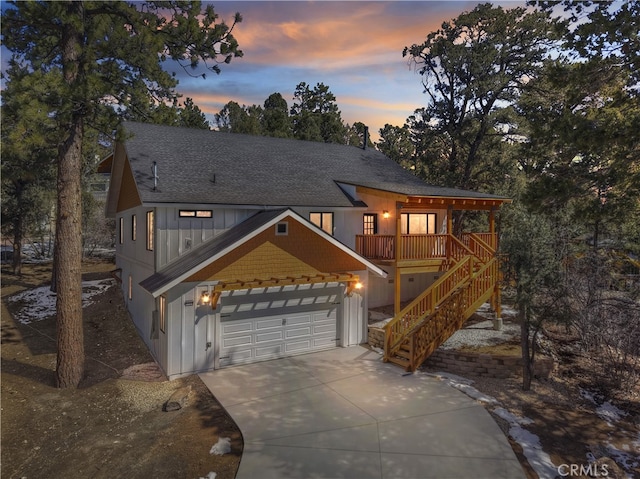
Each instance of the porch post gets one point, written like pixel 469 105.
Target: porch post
pixel 492 228
pixel 397 297
pixel 449 229
pixel 495 298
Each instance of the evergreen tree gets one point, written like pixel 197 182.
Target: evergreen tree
pixel 396 143
pixel 533 251
pixel 472 68
pixel 191 116
pixel 28 135
pixel 104 53
pixel 275 120
pixel 316 116
pixel 583 145
pixel 234 118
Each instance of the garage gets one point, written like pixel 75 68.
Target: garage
pixel 270 323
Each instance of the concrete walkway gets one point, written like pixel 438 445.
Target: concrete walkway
pixel 345 414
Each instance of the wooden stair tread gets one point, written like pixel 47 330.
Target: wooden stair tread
pixel 402 356
pixel 403 353
pixel 399 361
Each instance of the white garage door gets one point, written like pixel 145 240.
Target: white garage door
pixel 262 324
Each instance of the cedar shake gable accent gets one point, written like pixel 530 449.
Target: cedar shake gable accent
pixel 301 246
pixel 239 253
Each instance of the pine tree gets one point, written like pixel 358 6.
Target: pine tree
pixel 106 54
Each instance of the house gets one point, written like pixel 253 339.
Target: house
pixel 234 248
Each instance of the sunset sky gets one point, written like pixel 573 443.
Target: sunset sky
pixel 354 47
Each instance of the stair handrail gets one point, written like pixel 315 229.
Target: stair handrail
pixel 487 250
pixel 465 297
pixel 457 249
pixel 422 306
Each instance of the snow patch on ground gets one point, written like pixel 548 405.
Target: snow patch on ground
pixel 606 411
pixel 42 302
pixel 512 418
pixel 530 443
pixel 532 450
pixel 211 475
pixel 625 459
pixel 223 446
pixel 539 460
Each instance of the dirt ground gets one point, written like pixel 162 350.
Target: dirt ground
pixel 112 425
pixel 570 430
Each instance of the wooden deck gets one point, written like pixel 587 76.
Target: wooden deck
pixel 471 278
pixel 422 247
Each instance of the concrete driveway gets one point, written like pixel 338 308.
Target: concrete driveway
pixel 345 414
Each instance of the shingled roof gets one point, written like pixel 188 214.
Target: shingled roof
pixel 209 167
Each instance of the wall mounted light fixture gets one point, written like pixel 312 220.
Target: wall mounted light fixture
pixel 353 286
pixel 385 214
pixel 205 298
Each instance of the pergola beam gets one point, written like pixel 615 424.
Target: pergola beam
pixel 237 284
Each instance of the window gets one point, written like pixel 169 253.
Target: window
pixel 282 229
pixel 150 230
pixel 195 214
pixel 134 227
pixel 418 223
pixel 323 220
pixel 121 232
pixel 130 288
pixel 162 312
pixel 370 224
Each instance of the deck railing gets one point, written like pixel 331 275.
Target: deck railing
pixel 450 315
pixel 425 304
pixel 423 246
pixel 415 247
pixel 380 247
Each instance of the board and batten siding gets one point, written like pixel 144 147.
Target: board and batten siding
pixel 345 222
pixel 177 236
pixel 136 250
pixel 356 313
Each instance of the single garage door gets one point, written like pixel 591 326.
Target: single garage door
pixel 270 323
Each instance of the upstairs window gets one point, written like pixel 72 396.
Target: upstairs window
pixel 370 224
pixel 162 312
pixel 323 221
pixel 418 223
pixel 150 230
pixel 134 227
pixel 121 232
pixel 195 214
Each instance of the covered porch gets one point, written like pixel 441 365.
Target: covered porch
pixel 431 252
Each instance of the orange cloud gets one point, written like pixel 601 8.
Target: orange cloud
pixel 331 35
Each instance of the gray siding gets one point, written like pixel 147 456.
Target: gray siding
pixel 177 236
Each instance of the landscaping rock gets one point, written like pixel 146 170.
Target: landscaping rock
pixel 178 399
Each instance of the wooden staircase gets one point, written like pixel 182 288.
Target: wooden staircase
pixel 431 318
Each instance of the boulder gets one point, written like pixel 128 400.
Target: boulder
pixel 178 399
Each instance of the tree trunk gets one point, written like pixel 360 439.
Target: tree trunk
pixel 524 343
pixel 68 251
pixel 17 240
